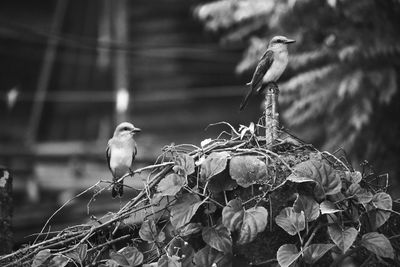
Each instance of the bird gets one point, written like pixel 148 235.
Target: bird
pixel 270 66
pixel 120 153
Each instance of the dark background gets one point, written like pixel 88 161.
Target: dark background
pixel 63 63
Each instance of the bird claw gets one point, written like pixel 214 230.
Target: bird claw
pixel 131 173
pixel 273 87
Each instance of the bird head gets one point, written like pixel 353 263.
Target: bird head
pixel 280 41
pixel 126 128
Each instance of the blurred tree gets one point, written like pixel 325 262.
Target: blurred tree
pixel 341 87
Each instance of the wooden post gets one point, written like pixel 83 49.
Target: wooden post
pixel 6 237
pixel 271 114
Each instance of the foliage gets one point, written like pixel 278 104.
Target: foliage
pixel 341 84
pixel 294 204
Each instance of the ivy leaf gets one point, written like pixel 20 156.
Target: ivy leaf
pixel 378 244
pixel 208 256
pixel 210 208
pixel 184 209
pixel 328 207
pixel 382 201
pixel 41 257
pixel 342 238
pixel 287 254
pixel 79 254
pixel 82 251
pixel 353 177
pixel 148 232
pixel 181 249
pixel 314 252
pixel 377 217
pixel 327 181
pixel 58 261
pixel 213 164
pixel 167 261
pixel 248 222
pixel 221 182
pixel 189 229
pixel 110 263
pixel 308 205
pixel 254 221
pixel 127 257
pixel 290 221
pixel 247 170
pixel 171 184
pixel 218 238
pixel 363 195
pixel 185 162
pixel 232 215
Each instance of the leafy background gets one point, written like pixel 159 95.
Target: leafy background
pixel 341 86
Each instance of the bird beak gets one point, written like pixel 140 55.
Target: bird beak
pixel 289 41
pixel 136 130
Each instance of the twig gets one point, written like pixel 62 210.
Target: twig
pixel 60 208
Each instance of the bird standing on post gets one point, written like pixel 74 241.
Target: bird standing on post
pixel 270 66
pixel 121 152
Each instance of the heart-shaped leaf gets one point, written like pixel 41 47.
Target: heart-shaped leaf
pixel 41 257
pixel 378 244
pixel 353 177
pixel 171 184
pixel 79 254
pixel 232 215
pixel 218 237
pixel 377 218
pixel 190 228
pixel 255 220
pixel 308 205
pixel 287 254
pixel 213 164
pixel 82 251
pixel 322 174
pixel 127 257
pixel 58 261
pixel 290 221
pixel 363 195
pixel 314 252
pixel 184 209
pixel 247 170
pixel 208 256
pixel 328 207
pixel 185 162
pixel 148 232
pixel 221 182
pixel 248 222
pixel 110 263
pixel 382 201
pixel 168 261
pixel 342 238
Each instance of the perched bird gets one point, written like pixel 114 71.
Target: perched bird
pixel 270 66
pixel 121 152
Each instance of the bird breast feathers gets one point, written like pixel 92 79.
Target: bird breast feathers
pixel 121 157
pixel 278 66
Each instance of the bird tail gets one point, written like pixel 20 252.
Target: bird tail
pixel 117 189
pixel 246 98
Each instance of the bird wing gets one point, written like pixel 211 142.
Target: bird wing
pixel 264 64
pixel 108 155
pixel 134 152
